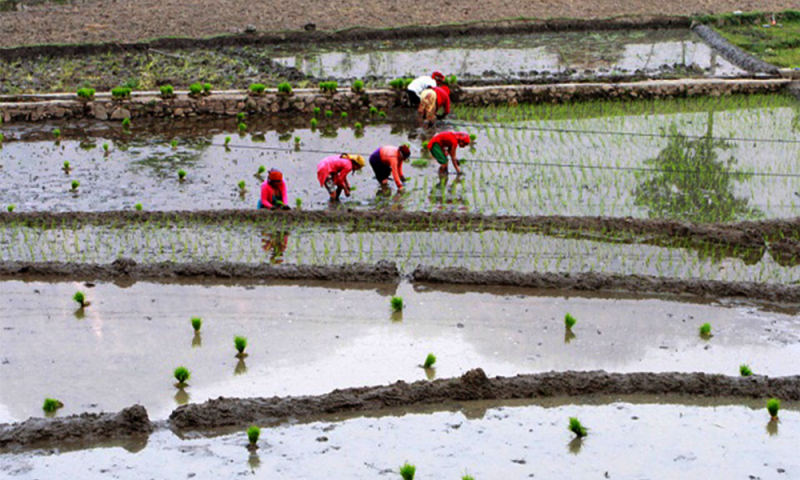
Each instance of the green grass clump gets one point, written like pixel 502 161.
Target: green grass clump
pixel 227 141
pixel 430 360
pixel 773 406
pixel 196 89
pixel 51 405
pixel 358 86
pixel 569 321
pixel 257 88
pixel 11 208
pixel 242 127
pixel 240 117
pixel 121 93
pixel 373 111
pixel 57 133
pixel 138 207
pixel 382 114
pixel 206 89
pixel 407 471
pixel 240 343
pixel 314 123
pixel 242 185
pixel 67 166
pixel 167 91
pixel 744 370
pixel 252 434
pixel 396 304
pixel 576 427
pixel 328 87
pixel 329 113
pixel 75 184
pixel 298 202
pixel 80 299
pixel 197 322
pixel 285 88
pixel 86 93
pixel 358 126
pixel 705 330
pixel 344 114
pixel 182 375
pixel 181 174
pixel 105 147
pixel 126 123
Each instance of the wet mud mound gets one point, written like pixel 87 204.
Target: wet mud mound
pixel 84 428
pixel 381 272
pixel 595 282
pixel 475 385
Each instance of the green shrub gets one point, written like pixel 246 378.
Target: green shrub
pixel 258 88
pixel 240 343
pixel 430 360
pixel 121 93
pixel 705 330
pixel 773 406
pixel 11 208
pixel 86 93
pixel 181 174
pixel 51 405
pixel 253 433
pixel 285 88
pixel 358 86
pixel 75 184
pixel 569 321
pixel 576 427
pixel 138 207
pixel 407 471
pixel 167 91
pixel 182 375
pixel 397 304
pixel 744 370
pixel 80 299
pixel 197 322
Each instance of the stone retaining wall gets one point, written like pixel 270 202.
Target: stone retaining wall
pixel 229 103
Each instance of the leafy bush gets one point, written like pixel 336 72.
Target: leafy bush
pixel 358 86
pixel 258 88
pixel 121 93
pixel 576 427
pixel 430 360
pixel 285 88
pixel 182 375
pixel 86 93
pixel 167 91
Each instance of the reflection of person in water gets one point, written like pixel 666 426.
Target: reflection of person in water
pixel 443 195
pixel 275 243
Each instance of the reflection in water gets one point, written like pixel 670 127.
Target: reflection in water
pixel 772 427
pixel 692 183
pixel 397 316
pixel 197 340
pixel 182 397
pixel 241 367
pixel 274 243
pixel 443 195
pixel 430 372
pixel 569 336
pixel 254 461
pixel 575 445
pixel 80 313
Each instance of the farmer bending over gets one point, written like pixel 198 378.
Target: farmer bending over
pixel 419 85
pixel 273 192
pixel 434 103
pixel 444 144
pixel 332 173
pixel 388 161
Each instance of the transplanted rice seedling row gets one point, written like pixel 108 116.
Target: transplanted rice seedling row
pixel 483 250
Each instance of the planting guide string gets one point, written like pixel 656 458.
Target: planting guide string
pixel 531 164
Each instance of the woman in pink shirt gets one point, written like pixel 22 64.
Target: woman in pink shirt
pixel 332 173
pixel 388 161
pixel 273 192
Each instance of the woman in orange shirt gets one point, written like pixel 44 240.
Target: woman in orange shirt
pixel 388 161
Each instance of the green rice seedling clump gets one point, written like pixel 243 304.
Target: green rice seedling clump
pixel 174 144
pixel 467 477
pixel 105 147
pixel 298 202
pixel 316 111
pixel 358 86
pixel 242 185
pixel 253 433
pixel 56 132
pixel 407 471
pixel 261 170
pixel 181 174
pixel 240 116
pixel 67 166
pixel 397 304
pixel 358 126
pixel 257 88
pixel 314 123
pixel 86 93
pixel 138 207
pixel 576 427
pixel 344 114
pixel 430 361
pixel 373 111
pixel 329 113
pixel 197 322
pixel 79 298
pixel 195 89
pixel 705 329
pixel 126 123
pixel 240 343
pixel 744 370
pixel 773 407
pixel 51 405
pixel 297 140
pixel 207 88
pixel 75 184
pixel 120 93
pixel 285 88
pixel 382 114
pixel 167 91
pixel 242 127
pixel 11 208
pixel 569 321
pixel 182 375
pixel 227 141
pixel 420 163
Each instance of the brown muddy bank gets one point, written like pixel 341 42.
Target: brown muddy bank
pixel 475 385
pixel 604 282
pixel 750 234
pixel 86 427
pixel 381 272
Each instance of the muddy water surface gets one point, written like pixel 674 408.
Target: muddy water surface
pixel 486 440
pixel 312 339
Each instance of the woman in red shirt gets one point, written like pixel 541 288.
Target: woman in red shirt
pixel 444 144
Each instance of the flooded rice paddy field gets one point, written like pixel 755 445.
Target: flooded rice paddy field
pixel 255 242
pixel 565 54
pixel 307 339
pixel 527 160
pixel 483 439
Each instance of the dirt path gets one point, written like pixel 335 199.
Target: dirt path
pixel 114 21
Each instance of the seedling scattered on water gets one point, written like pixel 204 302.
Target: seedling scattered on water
pixel 126 123
pixel 86 93
pixel 67 167
pixel 258 88
pixel 242 127
pixel 240 343
pixel 329 113
pixel 396 304
pixel 285 88
pixel 196 89
pixel 174 144
pixel 373 111
pixel 314 123
pixel 576 427
pixel 382 114
pixel 744 370
pixel 344 115
pixel 430 360
pixel 261 170
pixel 773 406
pixel 407 471
pixel 75 184
pixel 105 147
pixel 167 91
pixel 569 321
pixel 358 126
pixel 316 111
pixel 181 374
pixel 197 322
pixel 181 174
pixel 57 133
pixel 207 89
pixel 11 208
pixel 51 405
pixel 80 299
pixel 298 202
pixel 297 140
pixel 240 117
pixel 358 86
pixel 705 330
pixel 252 435
pixel 138 207
pixel 242 186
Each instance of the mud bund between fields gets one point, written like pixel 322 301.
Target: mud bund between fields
pixel 473 385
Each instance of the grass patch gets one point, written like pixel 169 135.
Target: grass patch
pixel 777 45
